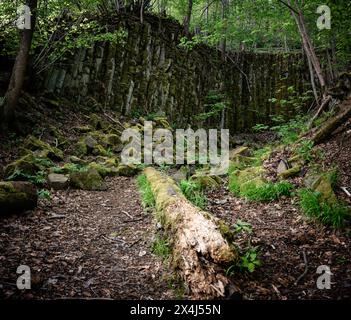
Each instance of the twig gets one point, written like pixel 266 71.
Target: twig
pixel 127 214
pixel 306 268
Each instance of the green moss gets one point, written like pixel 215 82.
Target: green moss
pixel 290 172
pixel 34 144
pixel 250 183
pixel 80 149
pixel 127 170
pixel 206 182
pixel 87 180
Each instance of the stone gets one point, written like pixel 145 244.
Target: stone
pixel 24 166
pixel 87 180
pixel 17 197
pixel 83 129
pixel 207 182
pixel 58 181
pixel 294 171
pixel 34 144
pixel 181 174
pixel 77 160
pixel 127 170
pixel 321 184
pixel 282 166
pixel 242 151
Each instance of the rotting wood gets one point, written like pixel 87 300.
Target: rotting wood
pixel 332 124
pixel 199 249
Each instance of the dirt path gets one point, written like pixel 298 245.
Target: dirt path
pixel 282 234
pixel 84 244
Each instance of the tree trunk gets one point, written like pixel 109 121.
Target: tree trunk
pixel 187 18
pixel 19 70
pixel 223 43
pixel 199 248
pixel 306 42
pixel 332 124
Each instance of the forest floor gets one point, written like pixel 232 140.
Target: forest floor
pixel 99 245
pixel 85 245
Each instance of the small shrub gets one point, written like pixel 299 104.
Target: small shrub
pixel 147 196
pixel 267 192
pixel 161 247
pixel 242 226
pixel 193 192
pixel 248 261
pixel 304 149
pixel 44 194
pixel 333 214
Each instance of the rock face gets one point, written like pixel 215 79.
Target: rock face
pixel 58 181
pixel 17 197
pixel 87 180
pixel 150 68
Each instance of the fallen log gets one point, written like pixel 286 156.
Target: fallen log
pixel 199 249
pixel 332 124
pixel 17 197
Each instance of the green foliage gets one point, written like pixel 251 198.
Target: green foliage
pixel 304 150
pixel 38 179
pixel 193 192
pixel 263 193
pixel 242 226
pixel 260 127
pixel 161 247
pixel 314 206
pixel 289 132
pixel 147 196
pixel 248 261
pixel 215 103
pixel 267 192
pixel 44 194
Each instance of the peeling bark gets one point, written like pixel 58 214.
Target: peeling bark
pixel 199 248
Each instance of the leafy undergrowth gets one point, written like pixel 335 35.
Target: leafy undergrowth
pixel 193 192
pixel 147 196
pixel 312 204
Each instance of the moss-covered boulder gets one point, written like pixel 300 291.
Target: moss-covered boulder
pixel 58 135
pixel 127 170
pixel 97 122
pixel 87 180
pixel 242 180
pixel 17 197
pixel 83 129
pixel 289 173
pixel 207 182
pixel 89 145
pixel 77 160
pixel 239 151
pixel 34 144
pixel 26 166
pixel 322 184
pixel 80 149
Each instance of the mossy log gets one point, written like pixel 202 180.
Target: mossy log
pixel 332 124
pixel 17 196
pixel 199 249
